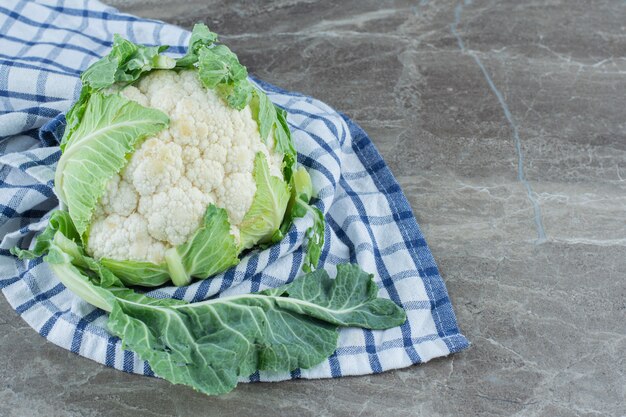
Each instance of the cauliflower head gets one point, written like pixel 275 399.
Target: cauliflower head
pixel 205 156
pixel 170 168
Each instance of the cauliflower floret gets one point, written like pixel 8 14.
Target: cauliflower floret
pixel 239 159
pixel 275 162
pixel 174 213
pixel 188 80
pixel 158 81
pixel 274 159
pixel 164 99
pixel 205 174
pixel 236 194
pixel 120 197
pixel 206 156
pixel 120 237
pixel 157 165
pixel 186 127
pixel 190 154
pixel 216 152
pixel 133 93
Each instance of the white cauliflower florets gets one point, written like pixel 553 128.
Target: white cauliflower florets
pixel 206 156
pixel 119 198
pixel 156 165
pixel 121 237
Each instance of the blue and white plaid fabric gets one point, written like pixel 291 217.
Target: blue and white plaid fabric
pixel 44 45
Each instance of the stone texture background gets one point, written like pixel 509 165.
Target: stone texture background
pixel 457 95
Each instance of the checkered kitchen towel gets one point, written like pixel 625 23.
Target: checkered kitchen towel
pixel 44 45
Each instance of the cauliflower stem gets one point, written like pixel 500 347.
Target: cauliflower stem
pixel 176 269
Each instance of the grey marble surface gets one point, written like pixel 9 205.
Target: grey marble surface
pixel 505 123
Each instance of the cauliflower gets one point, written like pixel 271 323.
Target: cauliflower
pixel 171 168
pixel 205 156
